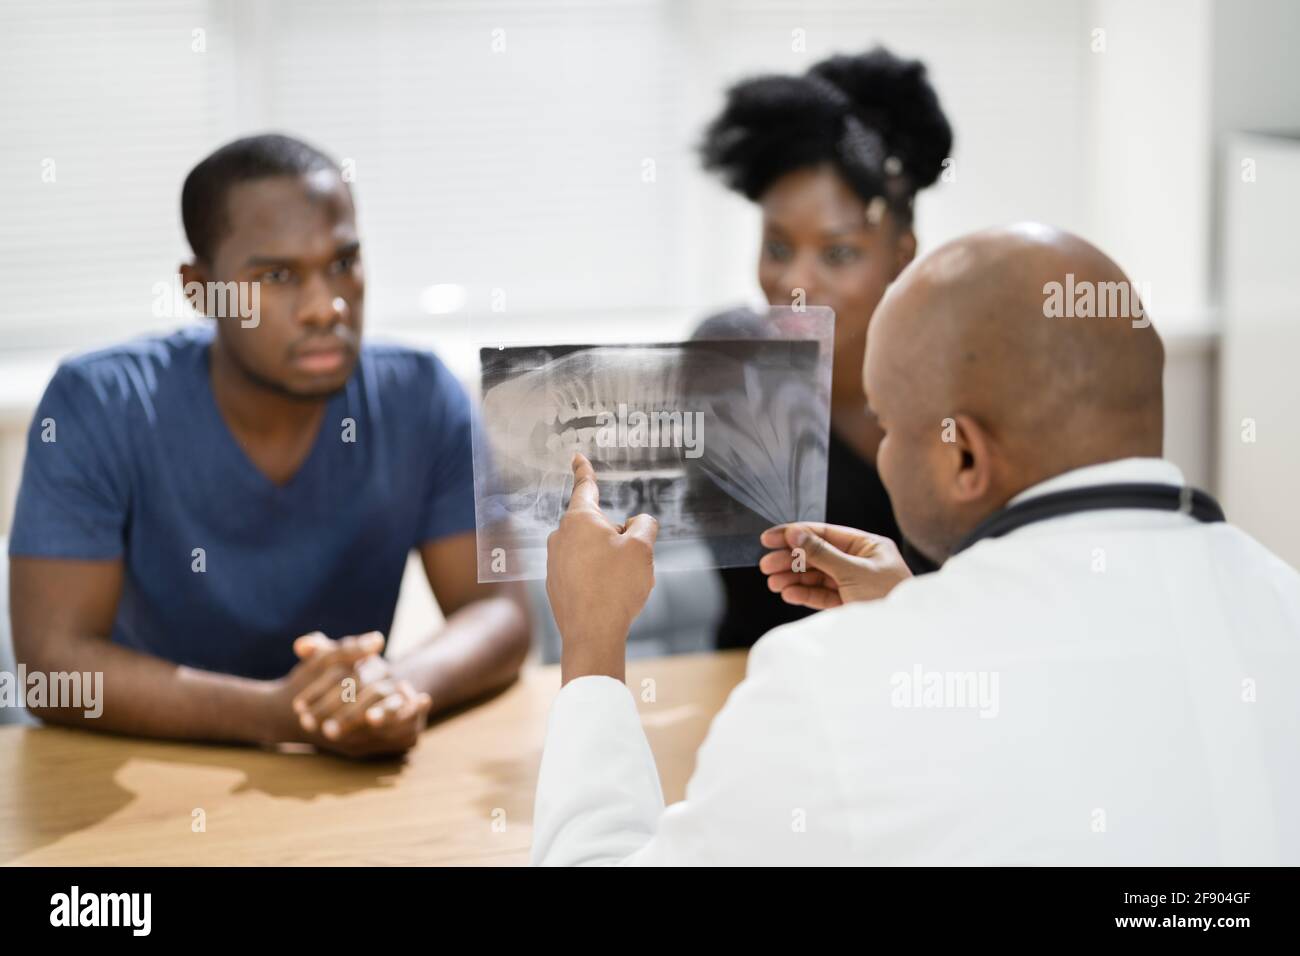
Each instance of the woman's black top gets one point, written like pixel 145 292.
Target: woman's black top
pixel 855 498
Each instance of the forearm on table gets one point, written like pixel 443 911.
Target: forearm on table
pixel 480 649
pixel 146 696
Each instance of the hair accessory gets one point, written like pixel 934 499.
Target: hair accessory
pixel 876 210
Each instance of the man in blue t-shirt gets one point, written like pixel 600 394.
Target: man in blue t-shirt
pixel 218 520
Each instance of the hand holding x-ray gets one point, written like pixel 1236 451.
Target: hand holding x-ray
pixel 825 565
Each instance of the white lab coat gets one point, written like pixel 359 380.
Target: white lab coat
pixel 1113 687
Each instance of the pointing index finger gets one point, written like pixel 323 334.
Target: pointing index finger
pixel 586 495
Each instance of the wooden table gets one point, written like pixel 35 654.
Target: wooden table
pixel 464 795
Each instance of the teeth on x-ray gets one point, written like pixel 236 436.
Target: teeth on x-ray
pixel 557 409
pixel 718 439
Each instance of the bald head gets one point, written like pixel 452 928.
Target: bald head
pixel 999 360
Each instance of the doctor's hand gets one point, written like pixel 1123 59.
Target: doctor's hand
pixel 826 565
pixel 598 577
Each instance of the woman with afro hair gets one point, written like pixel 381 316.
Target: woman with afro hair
pixel 833 158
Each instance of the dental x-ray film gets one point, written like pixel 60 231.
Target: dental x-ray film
pixel 718 437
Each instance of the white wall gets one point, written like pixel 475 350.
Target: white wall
pixel 1149 145
pixel 1260 463
pixel 1256 89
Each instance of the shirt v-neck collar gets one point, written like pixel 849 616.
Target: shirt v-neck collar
pixel 244 464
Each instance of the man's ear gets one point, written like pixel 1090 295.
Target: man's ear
pixel 973 458
pixel 194 277
pixel 904 252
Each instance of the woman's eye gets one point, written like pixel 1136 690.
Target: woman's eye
pixel 276 276
pixel 839 255
pixel 777 250
pixel 343 265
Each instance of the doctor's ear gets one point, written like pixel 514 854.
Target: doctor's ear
pixel 904 252
pixel 970 448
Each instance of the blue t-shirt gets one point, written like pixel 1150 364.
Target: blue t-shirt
pixel 142 467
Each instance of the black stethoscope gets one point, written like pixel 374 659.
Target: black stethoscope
pixel 1150 497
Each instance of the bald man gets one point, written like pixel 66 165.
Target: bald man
pixel 1102 672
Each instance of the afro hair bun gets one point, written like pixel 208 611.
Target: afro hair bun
pixel 873 115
